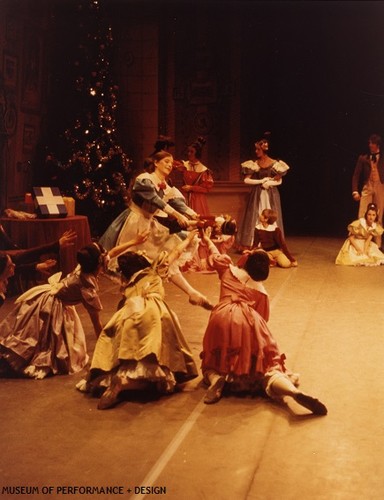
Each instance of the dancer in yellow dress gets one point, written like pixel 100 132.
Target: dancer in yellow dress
pixel 142 346
pixel 359 248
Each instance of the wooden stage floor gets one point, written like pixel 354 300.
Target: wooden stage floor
pixel 329 322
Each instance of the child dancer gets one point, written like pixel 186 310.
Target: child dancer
pixel 142 345
pixel 223 236
pixel 26 263
pixel 238 348
pixel 7 270
pixel 43 334
pixel 269 237
pixel 359 249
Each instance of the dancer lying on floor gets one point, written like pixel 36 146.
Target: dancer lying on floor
pixel 142 346
pixel 239 351
pixel 43 335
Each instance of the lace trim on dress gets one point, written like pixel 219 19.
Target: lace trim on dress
pixel 244 278
pixel 363 222
pixel 270 227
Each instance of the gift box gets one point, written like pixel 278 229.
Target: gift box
pixel 70 205
pixel 49 202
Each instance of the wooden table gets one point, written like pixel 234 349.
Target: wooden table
pixel 35 232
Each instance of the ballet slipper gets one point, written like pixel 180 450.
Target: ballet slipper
pixel 214 392
pixel 312 404
pixel 111 396
pixel 41 373
pixel 32 371
pixel 200 300
pixel 83 385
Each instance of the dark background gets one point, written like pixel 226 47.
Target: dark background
pixel 318 85
pixel 312 74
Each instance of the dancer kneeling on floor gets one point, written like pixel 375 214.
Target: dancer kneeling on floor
pixel 269 237
pixel 142 346
pixel 238 349
pixel 43 335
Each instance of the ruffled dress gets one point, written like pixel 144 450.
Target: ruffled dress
pixel 259 199
pixel 348 255
pixel 200 262
pixel 43 334
pixel 143 340
pixel 201 183
pixel 149 200
pixel 237 342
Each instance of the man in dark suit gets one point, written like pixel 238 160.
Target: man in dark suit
pixel 369 174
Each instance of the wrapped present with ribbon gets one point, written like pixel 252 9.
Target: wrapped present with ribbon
pixel 49 202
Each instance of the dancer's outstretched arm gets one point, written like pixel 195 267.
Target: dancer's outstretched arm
pixel 179 249
pixel 140 238
pixel 207 240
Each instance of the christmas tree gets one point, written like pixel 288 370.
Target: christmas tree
pixel 87 162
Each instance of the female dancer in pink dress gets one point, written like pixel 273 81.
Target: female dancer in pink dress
pixel 238 348
pixel 197 178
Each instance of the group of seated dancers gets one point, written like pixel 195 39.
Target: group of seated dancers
pixel 142 346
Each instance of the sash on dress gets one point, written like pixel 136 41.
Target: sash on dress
pixel 53 286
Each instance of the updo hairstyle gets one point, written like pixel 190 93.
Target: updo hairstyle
pixel 229 227
pixel 264 141
pixel 149 163
pixel 373 207
pixel 130 263
pixel 198 145
pixel 90 257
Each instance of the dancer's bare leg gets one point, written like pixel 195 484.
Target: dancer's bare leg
pixel 195 297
